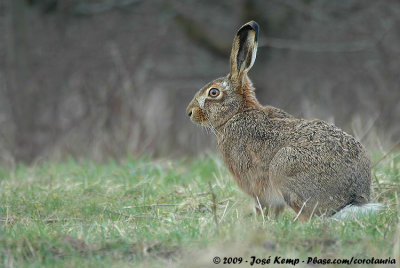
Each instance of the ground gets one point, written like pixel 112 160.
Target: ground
pixel 148 213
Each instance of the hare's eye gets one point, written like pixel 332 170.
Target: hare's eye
pixel 214 92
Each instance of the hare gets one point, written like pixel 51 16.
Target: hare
pixel 309 165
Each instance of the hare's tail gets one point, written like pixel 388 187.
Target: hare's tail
pixel 354 211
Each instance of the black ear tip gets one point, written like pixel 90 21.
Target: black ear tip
pixel 253 25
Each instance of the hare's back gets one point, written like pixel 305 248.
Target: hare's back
pixel 328 140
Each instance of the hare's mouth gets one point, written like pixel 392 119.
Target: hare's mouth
pixel 198 117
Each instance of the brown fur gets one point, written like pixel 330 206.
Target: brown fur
pixel 311 166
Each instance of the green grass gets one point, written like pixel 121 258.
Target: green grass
pixel 145 212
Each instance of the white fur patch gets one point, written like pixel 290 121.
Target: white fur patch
pixel 253 57
pixel 201 101
pixel 351 211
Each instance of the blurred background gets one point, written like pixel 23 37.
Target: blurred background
pixel 108 78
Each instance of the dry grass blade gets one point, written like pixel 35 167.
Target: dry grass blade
pixel 214 205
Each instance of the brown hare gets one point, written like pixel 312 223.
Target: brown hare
pixel 311 166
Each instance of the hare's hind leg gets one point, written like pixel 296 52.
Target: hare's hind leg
pixel 289 172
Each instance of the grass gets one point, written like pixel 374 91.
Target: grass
pixel 153 213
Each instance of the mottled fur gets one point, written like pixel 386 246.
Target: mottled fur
pixel 311 166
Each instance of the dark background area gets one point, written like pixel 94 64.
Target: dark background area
pixel 108 78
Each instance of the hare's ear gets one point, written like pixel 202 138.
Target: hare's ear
pixel 244 50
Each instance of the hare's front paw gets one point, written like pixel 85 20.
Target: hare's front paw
pixel 270 210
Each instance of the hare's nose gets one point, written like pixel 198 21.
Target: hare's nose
pixel 190 113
